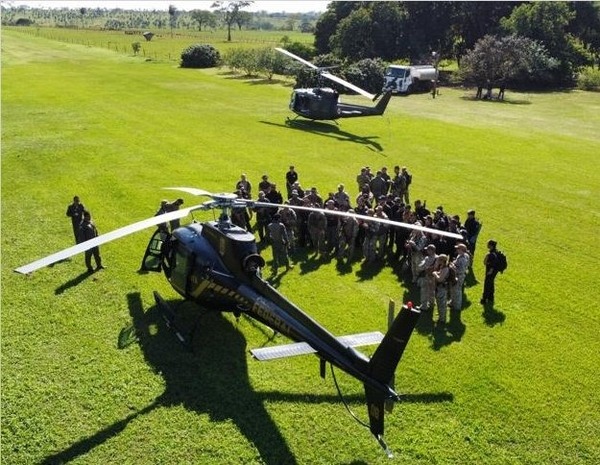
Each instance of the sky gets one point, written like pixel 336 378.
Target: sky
pixel 272 6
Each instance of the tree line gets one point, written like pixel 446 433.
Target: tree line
pixel 543 42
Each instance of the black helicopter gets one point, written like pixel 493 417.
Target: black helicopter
pixel 322 103
pixel 216 264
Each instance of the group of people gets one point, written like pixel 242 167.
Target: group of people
pixel 438 265
pixel 84 229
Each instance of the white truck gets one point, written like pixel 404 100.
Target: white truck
pixel 406 79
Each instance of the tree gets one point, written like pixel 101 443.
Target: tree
pixel 548 22
pixel 510 60
pixel 327 23
pixel 172 17
pixel 230 11
pixel 353 38
pixel 203 18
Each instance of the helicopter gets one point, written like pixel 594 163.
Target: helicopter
pixel 216 265
pixel 322 103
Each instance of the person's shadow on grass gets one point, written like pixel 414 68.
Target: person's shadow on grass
pixel 492 316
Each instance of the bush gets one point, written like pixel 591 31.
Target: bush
pixel 200 56
pixel 589 79
pixel 367 74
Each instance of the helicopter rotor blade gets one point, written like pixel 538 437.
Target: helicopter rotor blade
pixel 191 190
pixel 375 219
pixel 329 76
pixel 104 238
pixel 350 86
pixel 296 57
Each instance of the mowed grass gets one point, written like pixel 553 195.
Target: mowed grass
pixel 514 385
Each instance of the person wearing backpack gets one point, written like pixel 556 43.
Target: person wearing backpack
pixel 492 267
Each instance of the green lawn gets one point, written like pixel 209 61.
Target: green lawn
pixel 514 385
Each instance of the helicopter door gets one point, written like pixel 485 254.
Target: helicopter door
pixel 154 257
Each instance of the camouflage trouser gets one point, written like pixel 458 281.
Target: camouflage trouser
pixel 381 244
pixel 280 256
pixel 456 293
pixel 346 247
pixel 441 299
pixel 317 237
pixel 415 259
pixel 427 287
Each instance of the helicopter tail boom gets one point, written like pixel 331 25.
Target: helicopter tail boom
pixel 383 365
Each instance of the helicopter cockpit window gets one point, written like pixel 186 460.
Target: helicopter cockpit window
pixel 180 269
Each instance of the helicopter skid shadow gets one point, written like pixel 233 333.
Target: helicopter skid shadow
pixel 330 130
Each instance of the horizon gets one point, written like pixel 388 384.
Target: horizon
pixel 289 6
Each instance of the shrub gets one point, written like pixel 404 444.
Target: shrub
pixel 200 56
pixel 589 79
pixel 367 74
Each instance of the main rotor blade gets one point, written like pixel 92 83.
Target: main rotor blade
pixel 296 57
pixel 190 190
pixel 350 86
pixel 375 219
pixel 104 238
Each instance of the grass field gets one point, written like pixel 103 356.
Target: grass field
pixel 517 384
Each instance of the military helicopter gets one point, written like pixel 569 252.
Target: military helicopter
pixel 216 264
pixel 322 103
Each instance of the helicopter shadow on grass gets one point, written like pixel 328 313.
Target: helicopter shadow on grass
pixel 212 378
pixel 330 130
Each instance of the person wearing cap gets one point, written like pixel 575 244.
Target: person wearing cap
pixel 489 262
pixel 347 239
pixel 342 199
pixel 440 275
pixel 378 185
pixel 415 246
pixel 75 212
pixel 317 224
pixel 362 178
pixel 290 221
pixel 314 197
pixel 426 278
pixel 332 229
pixel 245 185
pixel 290 178
pixel 461 266
pixel 279 240
pixel 263 218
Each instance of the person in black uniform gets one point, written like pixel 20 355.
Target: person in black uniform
pixel 88 231
pixel 75 212
pixel 490 273
pixel 291 177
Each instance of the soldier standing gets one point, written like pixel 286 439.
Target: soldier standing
pixel 279 240
pixel 88 231
pixel 75 212
pixel 461 265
